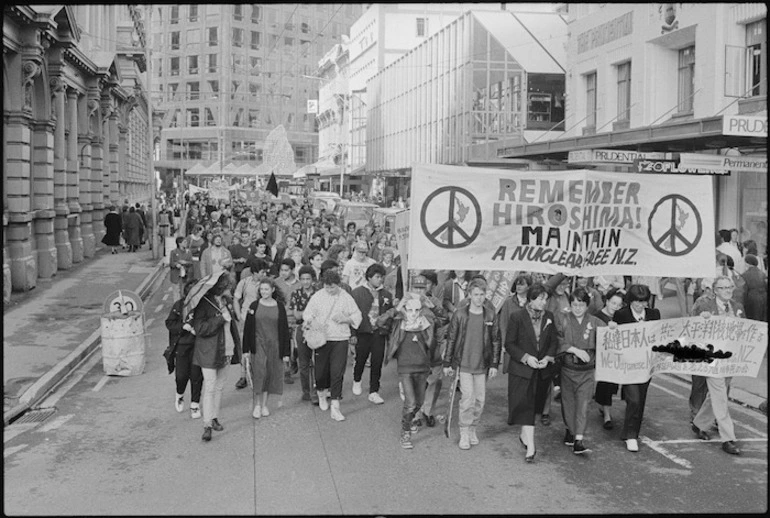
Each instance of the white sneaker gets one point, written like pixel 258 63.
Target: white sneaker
pixel 323 403
pixel 335 412
pixel 195 412
pixel 632 445
pixel 376 399
pixel 257 413
pixel 357 388
pixel 179 403
pixel 265 411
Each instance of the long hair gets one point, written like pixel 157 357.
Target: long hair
pixel 277 293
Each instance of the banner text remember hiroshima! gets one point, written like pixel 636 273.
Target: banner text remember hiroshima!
pixel 575 222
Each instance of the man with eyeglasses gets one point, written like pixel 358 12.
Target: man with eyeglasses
pixel 708 395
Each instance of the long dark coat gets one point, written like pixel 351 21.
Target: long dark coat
pixel 133 228
pixel 755 296
pixel 113 228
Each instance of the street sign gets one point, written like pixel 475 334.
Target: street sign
pixel 724 163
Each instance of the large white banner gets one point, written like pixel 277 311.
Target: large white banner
pixel 717 346
pixel 575 222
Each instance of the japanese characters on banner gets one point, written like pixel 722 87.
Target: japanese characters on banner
pixel 575 222
pixel 401 230
pixel 682 345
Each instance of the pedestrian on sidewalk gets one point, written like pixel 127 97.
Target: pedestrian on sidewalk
pixel 755 295
pixel 113 227
pixel 217 342
pixel 411 343
pixel 369 339
pixel 298 303
pixel 531 342
pixel 473 350
pixel 266 344
pixel 181 265
pixel 181 332
pixel 133 228
pixel 635 394
pixel 708 394
pixel 577 353
pixel 336 310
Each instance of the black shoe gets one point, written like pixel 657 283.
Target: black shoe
pixel 579 448
pixel 206 433
pixel 430 421
pixel 241 383
pixel 731 448
pixel 569 439
pixel 216 426
pixel 702 434
pixel 545 419
pixel 608 424
pixel 306 396
pixel 530 458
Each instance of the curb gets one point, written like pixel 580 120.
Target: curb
pixel 736 395
pixel 56 374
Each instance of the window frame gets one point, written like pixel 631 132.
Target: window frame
pixel 624 91
pixel 591 100
pixel 685 92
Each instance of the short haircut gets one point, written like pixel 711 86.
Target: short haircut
pixel 580 294
pixel 722 278
pixel 328 265
pixel 638 293
pixel 751 259
pixel 725 234
pixel 318 235
pixel 289 262
pixel 374 269
pixel 429 275
pixel 613 292
pixel 261 241
pixel 306 269
pixel 257 265
pixel 329 277
pixel 521 278
pixel 179 240
pixel 477 283
pixel 314 253
pixel 536 290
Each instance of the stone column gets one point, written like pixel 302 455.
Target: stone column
pixel 73 178
pixel 61 233
pixel 114 165
pixel 17 245
pixel 124 175
pixel 93 125
pixel 86 215
pixel 43 199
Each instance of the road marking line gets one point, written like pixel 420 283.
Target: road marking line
pixel 159 308
pixel 7 452
pixel 165 297
pixel 149 322
pixel 59 392
pixel 17 429
pixel 736 406
pixel 654 445
pixel 683 441
pixel 170 289
pixel 56 423
pixel 732 407
pixel 101 383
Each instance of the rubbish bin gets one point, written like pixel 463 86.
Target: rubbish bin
pixel 124 337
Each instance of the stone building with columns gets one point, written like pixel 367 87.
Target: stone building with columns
pixel 75 110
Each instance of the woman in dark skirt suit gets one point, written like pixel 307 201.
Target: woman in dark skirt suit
pixel 635 395
pixel 113 227
pixel 531 341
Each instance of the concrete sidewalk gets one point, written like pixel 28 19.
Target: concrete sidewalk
pixel 49 330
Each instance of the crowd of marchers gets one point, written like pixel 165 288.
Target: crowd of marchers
pixel 283 293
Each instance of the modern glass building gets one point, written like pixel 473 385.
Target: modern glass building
pixel 484 77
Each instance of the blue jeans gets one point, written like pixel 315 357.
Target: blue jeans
pixel 414 396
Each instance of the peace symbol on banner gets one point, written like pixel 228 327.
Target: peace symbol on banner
pixel 447 220
pixel 674 226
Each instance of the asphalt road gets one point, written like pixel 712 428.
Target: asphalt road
pixel 115 445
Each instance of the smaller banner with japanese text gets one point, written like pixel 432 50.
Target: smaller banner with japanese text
pixel 718 347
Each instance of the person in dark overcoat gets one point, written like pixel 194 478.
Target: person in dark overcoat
pixel 113 227
pixel 133 227
pixel 755 294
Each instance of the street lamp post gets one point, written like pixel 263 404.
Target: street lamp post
pixel 150 138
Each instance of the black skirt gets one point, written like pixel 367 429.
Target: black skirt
pixel 526 397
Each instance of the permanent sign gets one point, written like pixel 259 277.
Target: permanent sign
pixel 723 163
pixel 744 126
pixel 575 222
pixel 610 156
pixel 632 353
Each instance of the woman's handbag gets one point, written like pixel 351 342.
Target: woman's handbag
pixel 315 334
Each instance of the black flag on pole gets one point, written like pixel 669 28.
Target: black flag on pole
pixel 272 185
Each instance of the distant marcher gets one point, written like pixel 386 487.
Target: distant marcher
pixel 113 228
pixel 297 304
pixel 354 271
pixel 267 342
pixel 180 263
pixel 133 228
pixel 216 258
